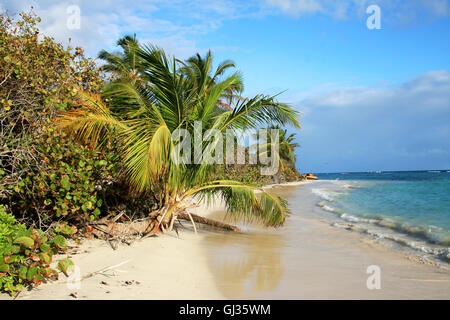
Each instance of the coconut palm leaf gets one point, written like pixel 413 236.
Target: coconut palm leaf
pixel 93 122
pixel 123 65
pixel 242 202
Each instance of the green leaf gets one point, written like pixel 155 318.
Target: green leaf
pixel 12 259
pixel 25 241
pixel 65 183
pixel 4 267
pixel 45 248
pixel 88 205
pixel 31 273
pixel 65 265
pixel 60 241
pixel 45 258
pixel 23 272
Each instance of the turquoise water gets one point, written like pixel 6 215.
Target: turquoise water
pixel 415 202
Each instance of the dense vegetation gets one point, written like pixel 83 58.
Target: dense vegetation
pixel 77 145
pixel 44 175
pixel 40 166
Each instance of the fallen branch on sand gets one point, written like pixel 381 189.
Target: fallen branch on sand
pixel 89 275
pixel 101 271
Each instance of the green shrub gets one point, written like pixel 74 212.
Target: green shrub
pixel 8 225
pixel 69 183
pixel 38 76
pixel 25 254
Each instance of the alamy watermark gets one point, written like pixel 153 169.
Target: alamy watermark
pixel 208 148
pixel 374 20
pixel 374 280
pixel 74 279
pixel 74 17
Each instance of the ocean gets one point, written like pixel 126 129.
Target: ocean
pixel 411 208
pixel 333 235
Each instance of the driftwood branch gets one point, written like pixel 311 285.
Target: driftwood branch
pixel 101 271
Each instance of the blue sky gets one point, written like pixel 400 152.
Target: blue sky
pixel 371 99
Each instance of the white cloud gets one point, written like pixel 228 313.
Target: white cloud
pixel 180 24
pixel 174 25
pixel 298 6
pixel 398 12
pixel 431 89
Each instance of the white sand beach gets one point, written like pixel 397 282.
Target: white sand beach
pixel 330 264
pixel 164 267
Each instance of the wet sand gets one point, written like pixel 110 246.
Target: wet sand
pixel 310 259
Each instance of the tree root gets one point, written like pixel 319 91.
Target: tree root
pixel 127 232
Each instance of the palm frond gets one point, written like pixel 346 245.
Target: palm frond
pixel 243 202
pixel 257 111
pixel 92 122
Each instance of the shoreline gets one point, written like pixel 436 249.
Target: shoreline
pixel 410 239
pixel 288 184
pixel 195 267
pixel 309 258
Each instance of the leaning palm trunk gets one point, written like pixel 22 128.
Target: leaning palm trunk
pixel 208 222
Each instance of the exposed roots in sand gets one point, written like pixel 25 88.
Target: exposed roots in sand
pixel 115 230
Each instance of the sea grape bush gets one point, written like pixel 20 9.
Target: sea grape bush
pixel 38 77
pixel 44 174
pixel 69 183
pixel 26 255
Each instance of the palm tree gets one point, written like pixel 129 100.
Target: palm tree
pixel 123 65
pixel 285 151
pixel 153 109
pixel 198 70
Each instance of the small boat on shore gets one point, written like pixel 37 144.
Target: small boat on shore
pixel 310 176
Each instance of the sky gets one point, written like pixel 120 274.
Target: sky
pixel 371 99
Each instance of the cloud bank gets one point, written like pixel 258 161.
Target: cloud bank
pixel 396 11
pixel 178 25
pixel 404 126
pixel 174 25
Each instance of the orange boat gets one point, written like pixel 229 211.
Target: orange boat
pixel 310 176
